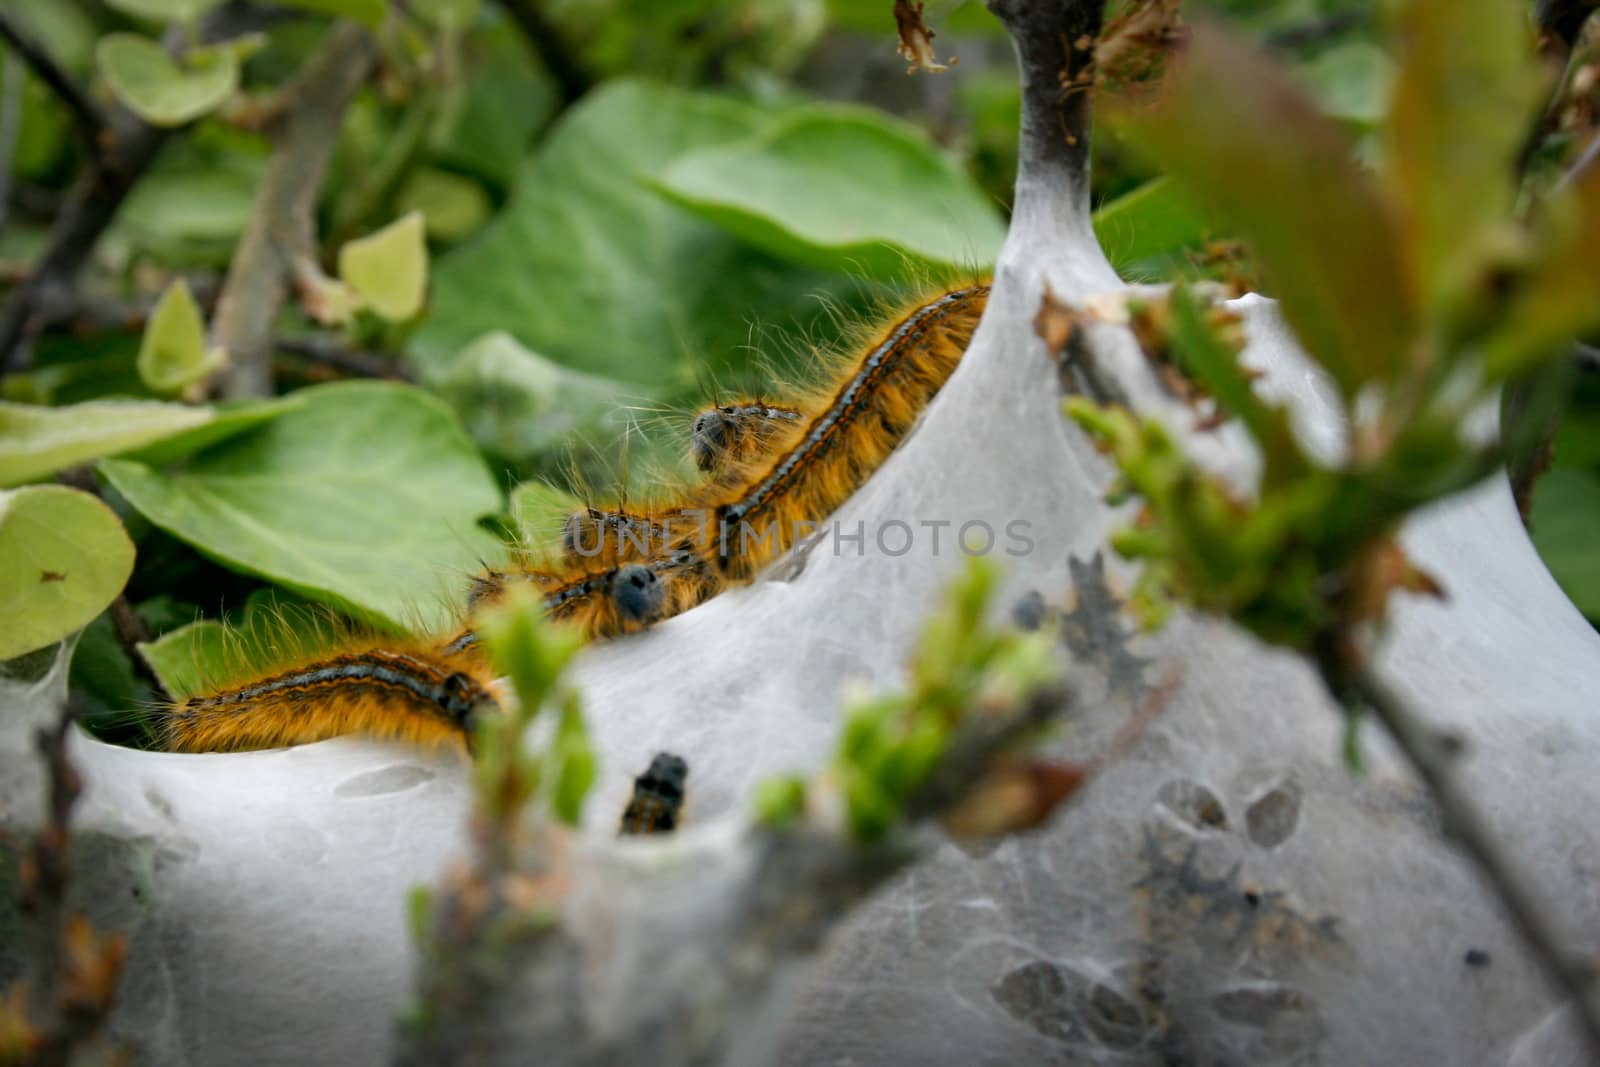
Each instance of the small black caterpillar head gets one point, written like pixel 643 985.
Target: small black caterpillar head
pixel 638 592
pixel 709 436
pixel 460 696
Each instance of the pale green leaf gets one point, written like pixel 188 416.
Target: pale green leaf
pixel 173 353
pixel 156 88
pixel 64 556
pixel 841 188
pixel 273 629
pixel 364 497
pixel 592 268
pixel 38 441
pixel 389 269
pixel 539 510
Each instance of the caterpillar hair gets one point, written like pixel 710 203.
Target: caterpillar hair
pixel 421 694
pixel 657 801
pixel 813 466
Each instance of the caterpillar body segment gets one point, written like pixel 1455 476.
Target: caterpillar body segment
pixel 422 694
pixel 850 430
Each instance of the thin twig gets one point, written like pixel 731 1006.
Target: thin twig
pixel 87 118
pixel 119 157
pixel 1434 757
pixel 571 79
pixel 76 969
pixel 11 85
pixel 359 362
pixel 282 222
pixel 1581 165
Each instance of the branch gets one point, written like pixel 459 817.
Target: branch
pixel 359 362
pixel 87 118
pixel 282 224
pixel 59 1017
pixel 1435 756
pixel 571 79
pixel 121 153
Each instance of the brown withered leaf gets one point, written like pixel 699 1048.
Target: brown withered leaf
pixel 1015 795
pixel 1056 322
pixel 93 965
pixel 916 39
pixel 1132 51
pixel 1383 569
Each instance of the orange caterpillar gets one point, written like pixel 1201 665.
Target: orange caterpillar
pixel 812 467
pixel 771 470
pixel 420 693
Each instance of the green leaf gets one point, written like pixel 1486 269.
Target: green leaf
pixel 519 405
pixel 173 353
pixel 1461 111
pixel 146 79
pixel 389 269
pixel 36 441
pixel 191 216
pixel 364 497
pixel 596 271
pixel 576 765
pixel 1566 515
pixel 539 510
pixel 1243 139
pixel 166 10
pixel 63 557
pixel 449 15
pixel 226 421
pixel 370 12
pixel 1351 81
pixel 488 116
pixel 453 206
pixel 1155 219
pixel 841 188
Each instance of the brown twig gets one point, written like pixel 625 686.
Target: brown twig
pixel 87 118
pixel 571 78
pixel 1435 757
pixel 282 223
pixel 359 362
pixel 64 1009
pixel 122 151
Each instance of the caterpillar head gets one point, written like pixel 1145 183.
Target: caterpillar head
pixel 638 593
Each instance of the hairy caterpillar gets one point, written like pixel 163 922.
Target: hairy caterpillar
pixel 421 693
pixel 771 469
pixel 813 466
pixel 657 800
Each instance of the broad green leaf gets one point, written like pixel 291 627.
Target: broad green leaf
pixel 38 441
pixel 63 557
pixel 1242 138
pixel 841 188
pixel 370 12
pixel 173 353
pixel 226 421
pixel 166 10
pixel 519 405
pixel 1566 516
pixel 389 269
pixel 1153 220
pixel 365 497
pixel 1462 107
pixel 191 216
pixel 159 91
pixel 590 267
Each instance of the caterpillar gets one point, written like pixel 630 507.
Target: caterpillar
pixel 770 469
pixel 657 800
pixel 418 693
